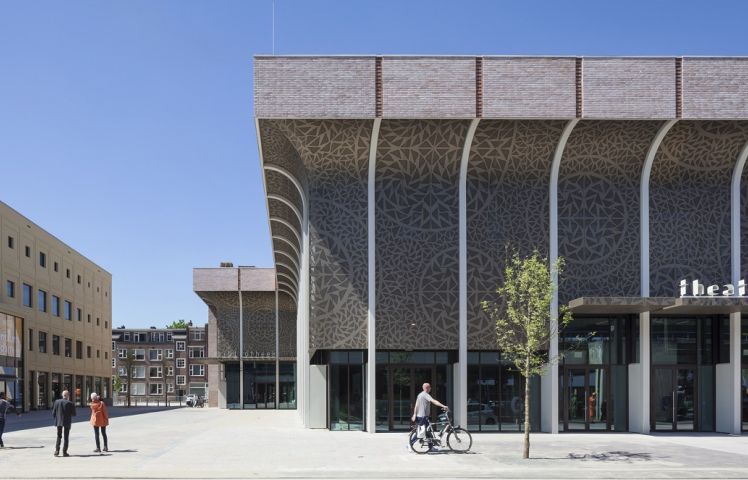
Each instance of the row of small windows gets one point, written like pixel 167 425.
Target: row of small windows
pixel 153 388
pixel 160 337
pixel 158 354
pixel 195 370
pixel 41 303
pixel 42 344
pixel 55 266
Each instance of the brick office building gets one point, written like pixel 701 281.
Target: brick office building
pixel 167 363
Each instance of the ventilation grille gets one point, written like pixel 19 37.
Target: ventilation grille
pixel 579 82
pixel 378 86
pixel 479 87
pixel 678 87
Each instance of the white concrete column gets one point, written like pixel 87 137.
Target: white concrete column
pixel 549 381
pixel 371 337
pixel 461 379
pixel 639 374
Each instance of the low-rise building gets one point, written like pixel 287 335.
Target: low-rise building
pixel 165 364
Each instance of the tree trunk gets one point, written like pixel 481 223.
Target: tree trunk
pixel 526 449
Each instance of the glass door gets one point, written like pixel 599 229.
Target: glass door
pixel 673 399
pixel 586 398
pixel 402 397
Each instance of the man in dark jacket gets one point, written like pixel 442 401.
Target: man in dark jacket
pixel 63 412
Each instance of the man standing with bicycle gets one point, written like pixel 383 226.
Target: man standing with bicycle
pixel 422 408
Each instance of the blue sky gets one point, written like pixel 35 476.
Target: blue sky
pixel 126 127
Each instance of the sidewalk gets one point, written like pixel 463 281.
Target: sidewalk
pixel 221 444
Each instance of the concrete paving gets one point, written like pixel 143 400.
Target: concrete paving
pixel 211 443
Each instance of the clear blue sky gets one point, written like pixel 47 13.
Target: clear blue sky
pixel 126 127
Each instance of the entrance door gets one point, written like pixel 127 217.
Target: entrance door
pixel 673 399
pixel 404 385
pixel 586 396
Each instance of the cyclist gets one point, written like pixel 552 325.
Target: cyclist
pixel 422 408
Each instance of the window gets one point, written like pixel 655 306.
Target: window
pixel 181 380
pixel 79 314
pixel 106 323
pixel 42 259
pixel 42 342
pixel 88 317
pixel 155 355
pixel 114 362
pixel 197 370
pixel 169 353
pixel 138 389
pixel 181 363
pixel 127 336
pixel 169 388
pixel 27 291
pixel 79 279
pixel 157 337
pixel 97 321
pixel 78 349
pixel 139 337
pixel 41 300
pixel 10 289
pixel 27 251
pixel 180 346
pixel 156 389
pixel 67 273
pixel 98 353
pixel 197 335
pixel 11 242
pixel 122 371
pixel 168 336
pixel 114 345
pixel 55 305
pixel 55 344
pixel 56 267
pixel 68 310
pixel 169 371
pixel 31 340
pixel 138 354
pixel 155 372
pixel 197 352
pixel 106 355
pixel 122 353
pixel 123 387
pixel 88 351
pixel 138 372
pixel 68 348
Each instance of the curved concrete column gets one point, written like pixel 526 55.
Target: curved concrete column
pixel 290 269
pixel 287 291
pixel 288 224
pixel 296 183
pixel 290 244
pixel 639 373
pixel 288 203
pixel 371 337
pixel 289 257
pixel 737 174
pixel 461 387
pixel 549 393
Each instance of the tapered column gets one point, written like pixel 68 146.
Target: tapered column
pixel 461 384
pixel 549 393
pixel 371 338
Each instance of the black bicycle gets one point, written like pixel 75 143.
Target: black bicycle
pixel 457 438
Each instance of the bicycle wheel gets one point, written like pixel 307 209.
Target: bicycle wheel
pixel 418 445
pixel 459 440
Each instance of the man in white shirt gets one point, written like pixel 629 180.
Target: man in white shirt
pixel 422 408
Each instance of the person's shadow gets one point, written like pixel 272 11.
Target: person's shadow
pixel 129 450
pixel 23 448
pixel 92 455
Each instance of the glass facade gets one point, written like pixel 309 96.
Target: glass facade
pixel 684 352
pixel 11 358
pixel 744 371
pixel 593 373
pixel 259 385
pixel 346 384
pixel 496 395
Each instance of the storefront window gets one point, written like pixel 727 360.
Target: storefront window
pixel 346 384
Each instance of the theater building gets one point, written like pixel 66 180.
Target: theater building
pixel 394 184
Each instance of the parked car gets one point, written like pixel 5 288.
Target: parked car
pixel 481 413
pixel 190 400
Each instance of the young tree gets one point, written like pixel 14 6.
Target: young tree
pixel 181 323
pixel 524 328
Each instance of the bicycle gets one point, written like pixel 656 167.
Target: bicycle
pixel 457 438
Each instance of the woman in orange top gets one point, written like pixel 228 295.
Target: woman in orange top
pixel 99 420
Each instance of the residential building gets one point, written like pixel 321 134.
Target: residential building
pixel 55 310
pixel 165 363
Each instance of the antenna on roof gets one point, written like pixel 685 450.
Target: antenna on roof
pixel 273 27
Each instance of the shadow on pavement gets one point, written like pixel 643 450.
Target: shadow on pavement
pixel 92 455
pixel 617 456
pixel 43 418
pixel 21 448
pixel 123 451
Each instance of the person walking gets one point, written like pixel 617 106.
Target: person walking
pixel 422 407
pixel 99 420
pixel 4 407
pixel 63 412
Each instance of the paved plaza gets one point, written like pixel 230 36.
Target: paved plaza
pixel 212 443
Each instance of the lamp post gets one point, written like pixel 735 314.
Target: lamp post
pixel 241 338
